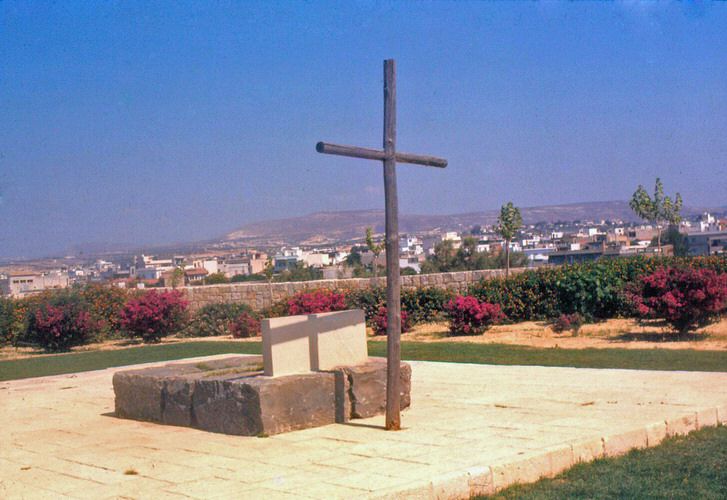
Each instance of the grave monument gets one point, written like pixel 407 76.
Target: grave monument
pixel 314 371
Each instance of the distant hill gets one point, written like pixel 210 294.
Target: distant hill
pixel 326 227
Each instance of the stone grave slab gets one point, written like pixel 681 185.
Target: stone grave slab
pixel 232 396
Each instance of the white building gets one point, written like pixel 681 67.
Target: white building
pixel 22 284
pixel 316 259
pixel 209 265
pixel 234 267
pixel 454 237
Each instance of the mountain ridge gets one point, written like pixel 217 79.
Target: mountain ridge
pixel 329 226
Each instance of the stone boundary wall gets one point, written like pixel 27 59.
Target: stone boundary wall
pixel 258 295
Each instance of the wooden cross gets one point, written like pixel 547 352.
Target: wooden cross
pixel 389 157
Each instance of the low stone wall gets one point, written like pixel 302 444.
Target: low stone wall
pixel 261 295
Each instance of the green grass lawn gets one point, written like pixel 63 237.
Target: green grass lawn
pixel 688 467
pixel 499 354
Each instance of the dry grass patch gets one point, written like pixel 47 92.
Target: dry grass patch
pixel 619 333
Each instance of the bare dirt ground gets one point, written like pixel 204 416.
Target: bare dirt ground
pixel 613 333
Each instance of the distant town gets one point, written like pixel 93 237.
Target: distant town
pixel 540 244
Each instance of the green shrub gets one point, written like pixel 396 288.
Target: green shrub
pixel 425 305
pixel 8 328
pixel 368 299
pixel 593 290
pixel 104 304
pixel 214 320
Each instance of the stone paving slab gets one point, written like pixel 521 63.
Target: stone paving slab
pixel 471 429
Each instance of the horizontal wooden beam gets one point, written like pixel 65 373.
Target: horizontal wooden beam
pixel 376 154
pixel 427 161
pixel 352 151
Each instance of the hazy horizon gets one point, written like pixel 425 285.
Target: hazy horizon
pixel 143 124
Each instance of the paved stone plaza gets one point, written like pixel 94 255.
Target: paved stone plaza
pixel 471 428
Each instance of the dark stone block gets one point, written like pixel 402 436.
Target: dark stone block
pixel 164 393
pixel 226 405
pixel 295 401
pixel 231 396
pixel 343 400
pixel 257 405
pixel 177 401
pixel 367 387
pixel 138 396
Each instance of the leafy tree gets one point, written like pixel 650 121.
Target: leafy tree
pixel 466 258
pixel 375 248
pixel 301 272
pixel 353 259
pixel 216 279
pixel 177 277
pixel 443 260
pixel 675 238
pixel 508 224
pixel 501 259
pixel 657 210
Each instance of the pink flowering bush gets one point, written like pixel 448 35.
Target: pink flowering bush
pixel 153 315
pixel 685 298
pixel 565 322
pixel 59 327
pixel 245 325
pixel 469 316
pixel 317 301
pixel 380 322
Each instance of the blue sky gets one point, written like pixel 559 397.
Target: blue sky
pixel 156 122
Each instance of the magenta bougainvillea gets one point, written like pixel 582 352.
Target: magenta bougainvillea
pixel 60 327
pixel 380 322
pixel 317 301
pixel 153 315
pixel 684 298
pixel 565 322
pixel 469 316
pixel 245 325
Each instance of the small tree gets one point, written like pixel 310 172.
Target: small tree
pixel 672 236
pixel 658 210
pixel 268 271
pixel 508 224
pixel 375 248
pixel 177 277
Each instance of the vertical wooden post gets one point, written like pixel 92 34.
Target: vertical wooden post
pixel 393 294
